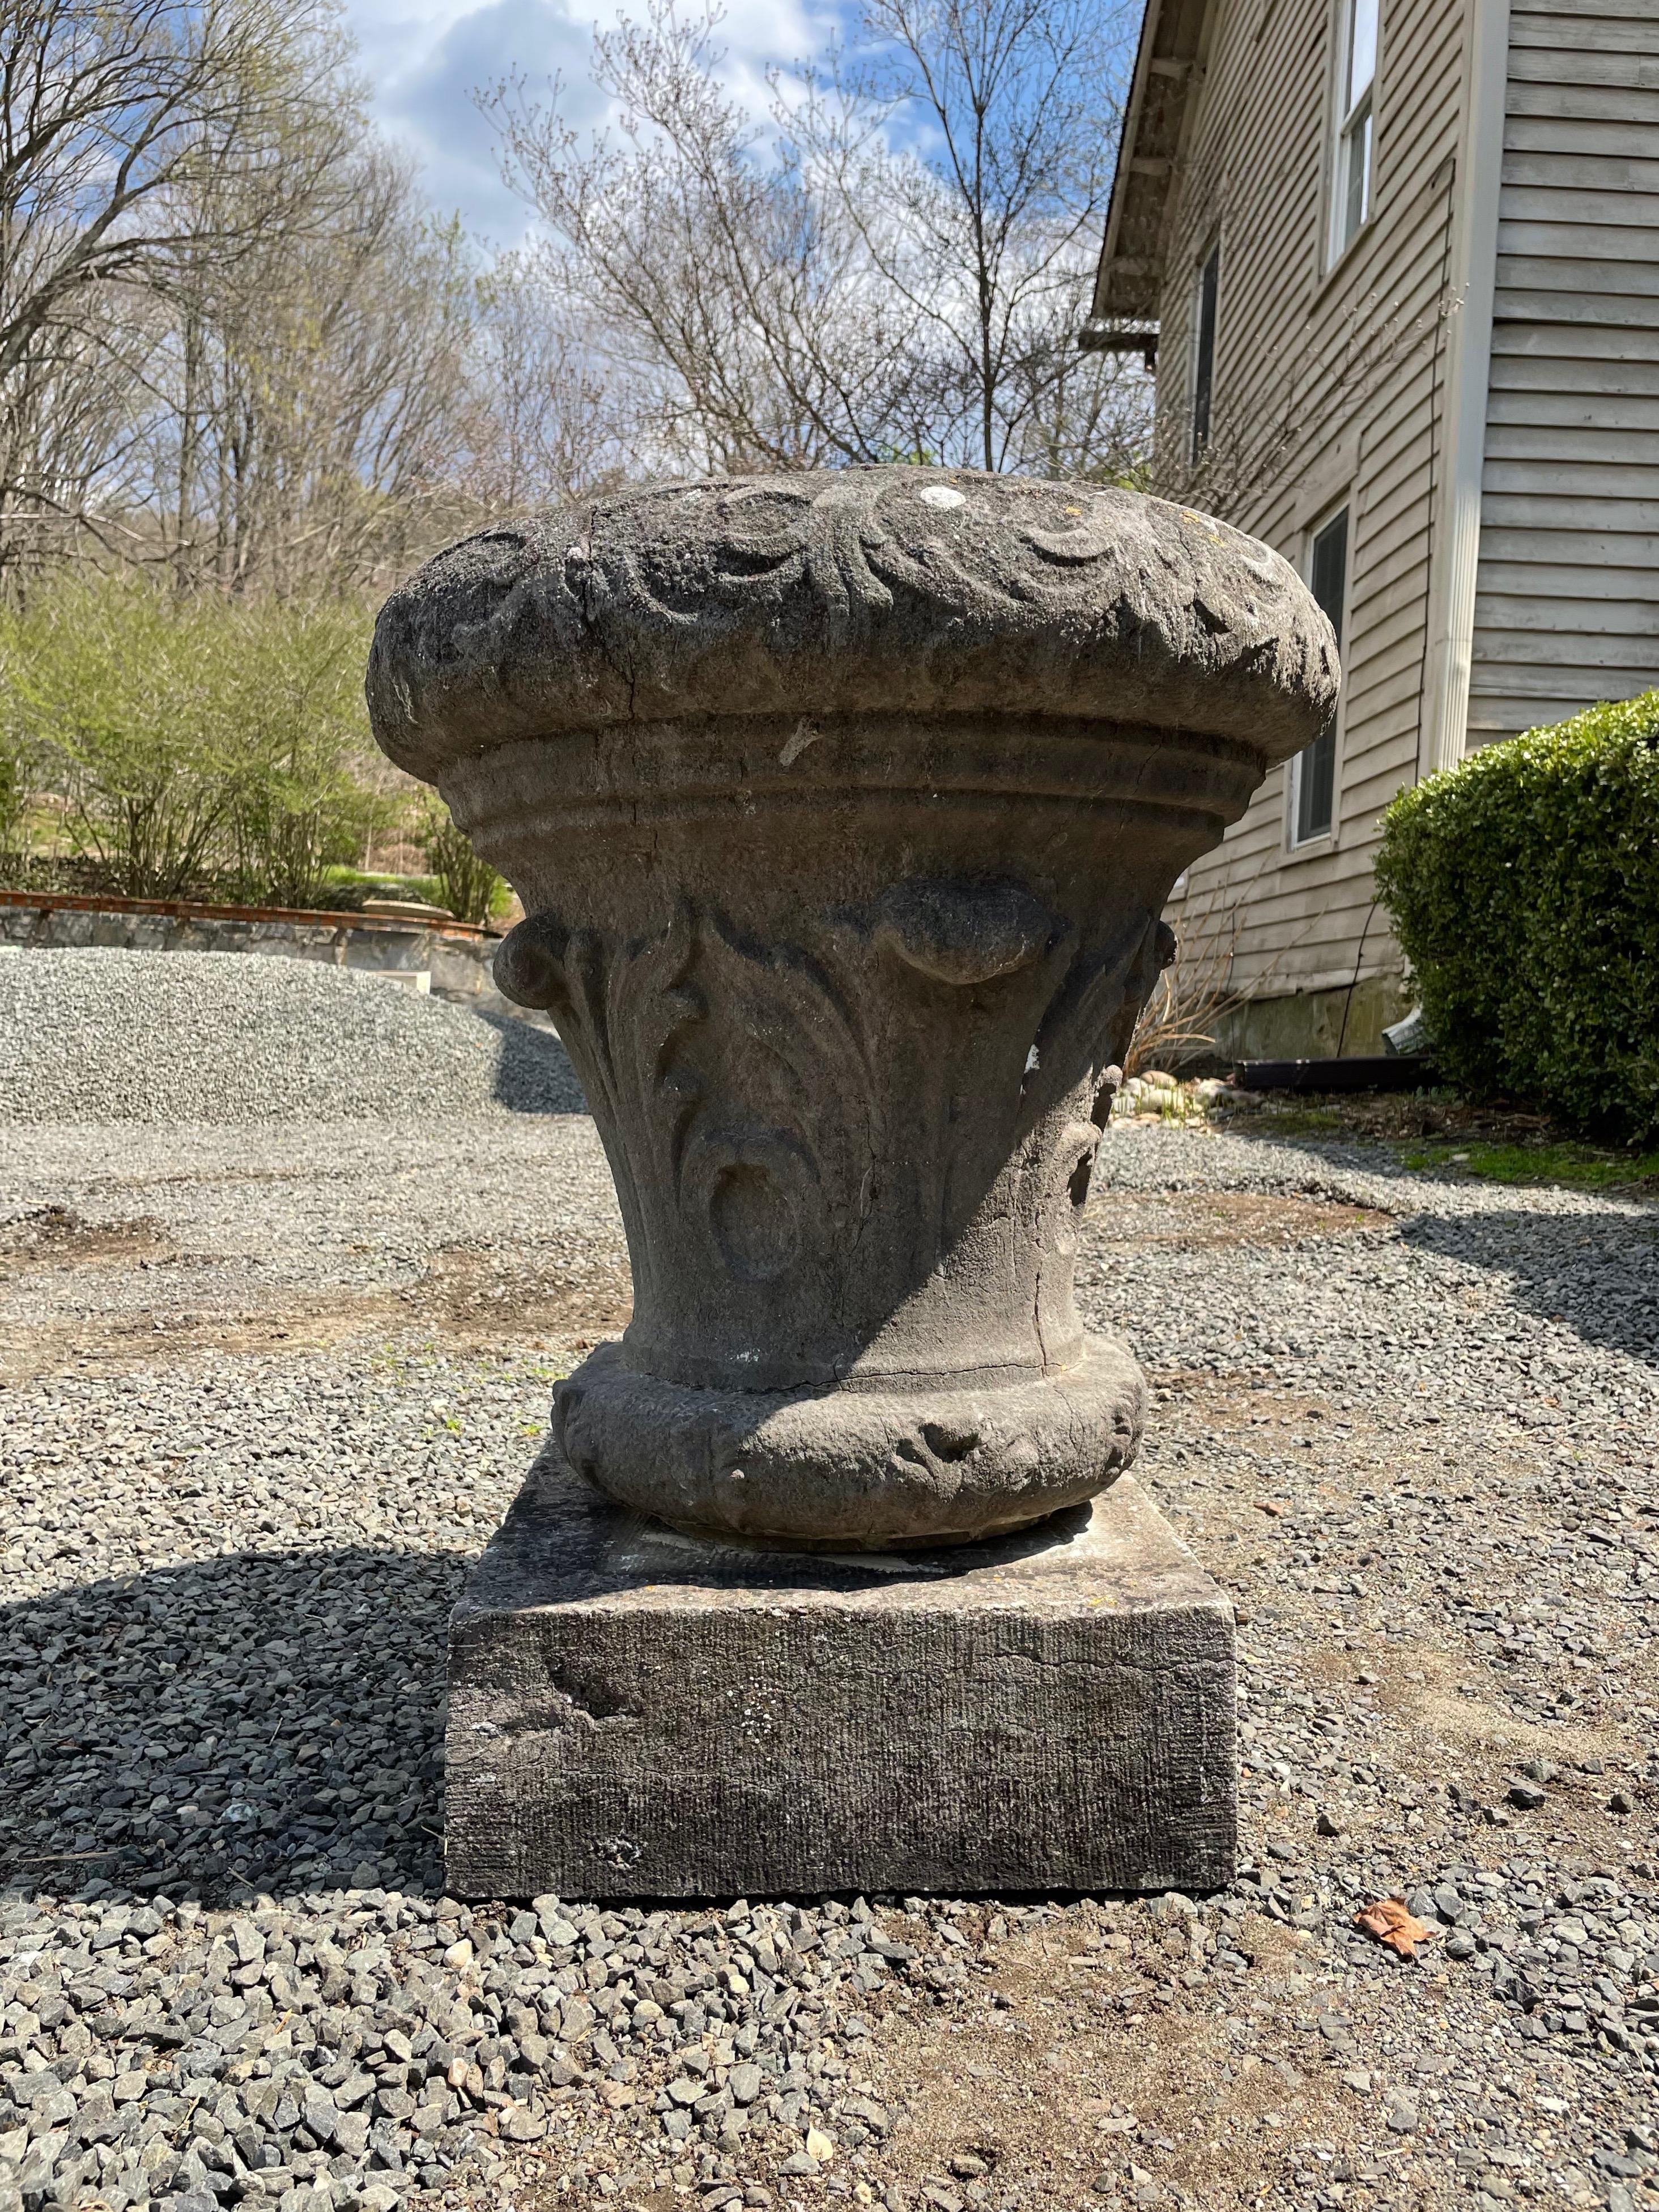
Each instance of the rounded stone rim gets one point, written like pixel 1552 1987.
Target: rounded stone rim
pixel 891 590
pixel 834 1469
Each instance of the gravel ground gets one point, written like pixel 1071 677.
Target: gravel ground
pixel 93 1034
pixel 267 1390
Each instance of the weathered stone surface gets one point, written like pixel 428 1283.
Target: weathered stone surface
pixel 843 808
pixel 634 1712
pixel 891 591
pixel 988 1458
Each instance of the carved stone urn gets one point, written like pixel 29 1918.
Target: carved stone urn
pixel 843 808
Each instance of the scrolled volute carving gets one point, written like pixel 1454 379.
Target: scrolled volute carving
pixel 529 964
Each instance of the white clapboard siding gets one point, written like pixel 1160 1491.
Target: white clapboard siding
pixel 1352 363
pixel 1566 610
pixel 1590 136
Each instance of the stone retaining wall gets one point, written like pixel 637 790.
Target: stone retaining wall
pixel 451 959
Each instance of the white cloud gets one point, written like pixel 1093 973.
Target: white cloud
pixel 424 62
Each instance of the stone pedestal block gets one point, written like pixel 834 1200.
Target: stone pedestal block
pixel 636 1713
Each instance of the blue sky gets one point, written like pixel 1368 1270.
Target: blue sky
pixel 423 57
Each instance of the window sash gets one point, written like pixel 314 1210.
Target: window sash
pixel 1209 285
pixel 1316 789
pixel 1315 765
pixel 1355 132
pixel 1361 67
pixel 1356 172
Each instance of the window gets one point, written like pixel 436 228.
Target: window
pixel 1316 766
pixel 1355 134
pixel 1209 282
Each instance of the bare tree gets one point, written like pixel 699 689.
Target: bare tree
pixel 69 422
pixel 233 339
pixel 731 299
pixel 969 143
pixel 112 119
pixel 316 396
pixel 891 265
pixel 235 344
pixel 548 422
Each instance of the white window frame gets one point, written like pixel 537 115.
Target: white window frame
pixel 1325 840
pixel 1353 168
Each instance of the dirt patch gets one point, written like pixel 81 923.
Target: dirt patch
pixel 477 1299
pixel 1244 1401
pixel 466 1301
pixel 1452 1753
pixel 1266 1419
pixel 1089 2059
pixel 1103 2052
pixel 55 1237
pixel 1203 1220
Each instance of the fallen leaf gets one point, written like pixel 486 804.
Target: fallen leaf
pixel 1390 1922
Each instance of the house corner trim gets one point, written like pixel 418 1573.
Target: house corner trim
pixel 1444 718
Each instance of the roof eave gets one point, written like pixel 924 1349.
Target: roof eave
pixel 1130 277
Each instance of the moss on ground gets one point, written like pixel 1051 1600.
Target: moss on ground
pixel 1581 1165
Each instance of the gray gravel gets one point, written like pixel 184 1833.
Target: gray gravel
pixel 95 1034
pixel 1411 1421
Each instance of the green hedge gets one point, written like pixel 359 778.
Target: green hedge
pixel 1524 889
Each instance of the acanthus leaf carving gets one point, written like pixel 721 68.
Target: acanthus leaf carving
pixel 728 1074
pixel 763 1102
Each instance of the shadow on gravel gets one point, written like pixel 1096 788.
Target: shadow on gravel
pixel 1598 1273
pixel 267 1720
pixel 533 1074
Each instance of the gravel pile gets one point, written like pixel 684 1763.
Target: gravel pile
pixel 100 1034
pixel 1410 1422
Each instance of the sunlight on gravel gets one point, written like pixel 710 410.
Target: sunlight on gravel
pixel 95 1034
pixel 259 1415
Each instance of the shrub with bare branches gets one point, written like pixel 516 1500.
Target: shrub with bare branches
pixel 1180 1022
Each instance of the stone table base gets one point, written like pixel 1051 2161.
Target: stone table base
pixel 635 1713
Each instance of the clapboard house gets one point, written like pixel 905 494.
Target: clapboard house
pixel 1396 262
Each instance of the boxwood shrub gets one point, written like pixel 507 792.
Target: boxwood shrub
pixel 1524 889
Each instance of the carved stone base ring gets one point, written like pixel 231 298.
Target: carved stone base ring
pixel 843 808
